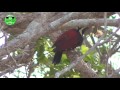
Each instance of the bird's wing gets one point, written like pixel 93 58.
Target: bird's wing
pixel 66 43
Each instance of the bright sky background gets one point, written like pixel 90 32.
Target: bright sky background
pixel 115 59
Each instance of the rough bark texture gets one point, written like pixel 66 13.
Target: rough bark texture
pixel 82 67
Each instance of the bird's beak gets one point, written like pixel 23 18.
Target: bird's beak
pixel 82 30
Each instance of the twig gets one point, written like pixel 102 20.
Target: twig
pixel 105 29
pixel 19 59
pixel 2 36
pixel 116 35
pixel 96 47
pixel 31 68
pixel 12 57
pixel 113 48
pixel 26 71
pixel 115 72
pixel 108 39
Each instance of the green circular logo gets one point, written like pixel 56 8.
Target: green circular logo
pixel 10 20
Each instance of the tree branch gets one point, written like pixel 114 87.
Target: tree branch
pixel 82 66
pixel 89 22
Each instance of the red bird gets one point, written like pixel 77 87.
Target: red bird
pixel 67 41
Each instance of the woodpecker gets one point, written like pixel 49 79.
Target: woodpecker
pixel 67 41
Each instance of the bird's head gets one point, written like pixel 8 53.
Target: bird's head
pixel 82 30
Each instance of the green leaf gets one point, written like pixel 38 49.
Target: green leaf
pixel 84 49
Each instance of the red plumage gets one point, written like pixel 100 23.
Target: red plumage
pixel 67 41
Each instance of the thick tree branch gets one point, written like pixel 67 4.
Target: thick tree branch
pixel 89 22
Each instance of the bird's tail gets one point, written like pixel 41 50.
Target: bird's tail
pixel 57 57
